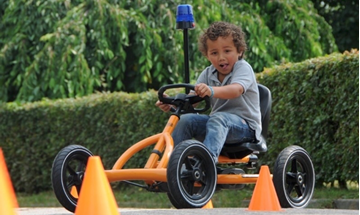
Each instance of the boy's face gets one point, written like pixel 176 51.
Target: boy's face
pixel 222 54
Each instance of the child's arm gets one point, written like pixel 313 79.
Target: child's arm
pixel 223 92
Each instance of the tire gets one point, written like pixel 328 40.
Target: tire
pixel 191 175
pixel 294 177
pixel 67 172
pixel 172 200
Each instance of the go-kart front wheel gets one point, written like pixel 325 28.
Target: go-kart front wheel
pixel 191 175
pixel 294 177
pixel 67 174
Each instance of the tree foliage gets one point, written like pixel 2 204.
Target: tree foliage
pixel 343 16
pixel 64 48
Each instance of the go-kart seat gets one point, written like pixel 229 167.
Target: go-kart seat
pixel 240 150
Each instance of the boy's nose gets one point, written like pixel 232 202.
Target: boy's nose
pixel 221 56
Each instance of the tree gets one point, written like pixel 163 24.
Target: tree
pixel 343 16
pixel 62 48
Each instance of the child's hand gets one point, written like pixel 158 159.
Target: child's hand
pixel 162 106
pixel 202 90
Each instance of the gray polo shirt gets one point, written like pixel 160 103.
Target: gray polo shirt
pixel 247 106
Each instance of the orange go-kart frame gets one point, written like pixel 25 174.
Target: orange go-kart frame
pixel 155 168
pixel 293 176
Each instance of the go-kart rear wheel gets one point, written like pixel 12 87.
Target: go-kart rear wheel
pixel 67 174
pixel 191 175
pixel 294 177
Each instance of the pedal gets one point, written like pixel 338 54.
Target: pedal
pixel 252 161
pixel 251 165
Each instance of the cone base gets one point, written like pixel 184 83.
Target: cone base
pixel 208 205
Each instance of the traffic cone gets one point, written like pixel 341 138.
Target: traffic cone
pixel 264 197
pixel 73 192
pixel 208 205
pixel 8 201
pixel 96 196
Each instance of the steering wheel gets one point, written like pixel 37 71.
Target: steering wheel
pixel 183 102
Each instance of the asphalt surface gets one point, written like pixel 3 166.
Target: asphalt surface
pixel 343 207
pixel 214 211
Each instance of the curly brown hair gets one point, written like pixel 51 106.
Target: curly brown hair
pixel 223 29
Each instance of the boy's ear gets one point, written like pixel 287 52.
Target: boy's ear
pixel 240 55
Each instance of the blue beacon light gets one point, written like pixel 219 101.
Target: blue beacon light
pixel 185 21
pixel 184 17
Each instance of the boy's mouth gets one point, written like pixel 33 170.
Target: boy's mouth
pixel 224 66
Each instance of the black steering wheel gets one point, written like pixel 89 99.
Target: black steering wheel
pixel 183 102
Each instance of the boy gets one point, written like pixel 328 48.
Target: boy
pixel 231 85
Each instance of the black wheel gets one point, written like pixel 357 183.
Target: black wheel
pixel 172 200
pixel 294 177
pixel 191 175
pixel 67 173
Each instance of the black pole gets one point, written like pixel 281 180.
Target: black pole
pixel 185 21
pixel 186 57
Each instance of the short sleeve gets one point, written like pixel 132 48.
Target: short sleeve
pixel 243 74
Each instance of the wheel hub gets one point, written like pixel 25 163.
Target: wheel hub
pixel 196 174
pixel 81 176
pixel 300 178
pixel 76 178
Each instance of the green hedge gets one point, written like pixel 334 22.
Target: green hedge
pixel 32 134
pixel 315 105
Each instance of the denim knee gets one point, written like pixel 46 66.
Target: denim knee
pixel 219 118
pixel 185 120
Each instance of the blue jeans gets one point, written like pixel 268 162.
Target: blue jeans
pixel 213 130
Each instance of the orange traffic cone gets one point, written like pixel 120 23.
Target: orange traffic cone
pixel 208 205
pixel 8 201
pixel 264 197
pixel 74 192
pixel 96 196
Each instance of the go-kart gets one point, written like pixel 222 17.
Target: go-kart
pixel 187 173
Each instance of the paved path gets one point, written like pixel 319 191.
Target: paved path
pixel 214 211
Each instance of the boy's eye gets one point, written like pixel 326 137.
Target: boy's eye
pixel 213 53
